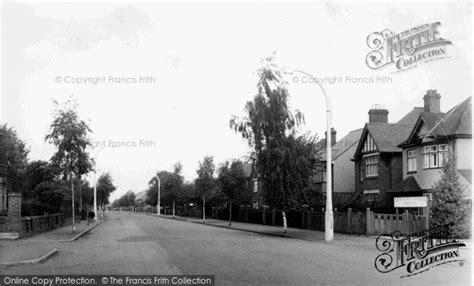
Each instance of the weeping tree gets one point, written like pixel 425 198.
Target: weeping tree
pixel 70 134
pixel 284 158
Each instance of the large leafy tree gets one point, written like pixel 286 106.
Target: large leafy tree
pixel 105 186
pixel 13 155
pixel 284 158
pixel 43 192
pixel 127 200
pixel 171 187
pixel 449 204
pixel 233 183
pixel 205 182
pixel 69 134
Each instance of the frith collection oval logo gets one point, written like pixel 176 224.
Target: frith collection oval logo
pixel 407 49
pixel 418 252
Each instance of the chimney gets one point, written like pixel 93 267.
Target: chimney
pixel 333 136
pixel 378 114
pixel 432 101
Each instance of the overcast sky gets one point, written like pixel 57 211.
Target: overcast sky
pixel 190 67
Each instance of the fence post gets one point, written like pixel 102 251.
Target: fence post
pixel 273 216
pixel 406 222
pixel 349 214
pixel 368 221
pixel 304 216
pixel 264 214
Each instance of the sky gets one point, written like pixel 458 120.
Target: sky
pixel 158 82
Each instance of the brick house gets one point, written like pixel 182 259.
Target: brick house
pixel 405 158
pixel 378 159
pixel 434 136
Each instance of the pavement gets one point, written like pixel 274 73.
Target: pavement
pixel 36 249
pixel 294 233
pixel 128 243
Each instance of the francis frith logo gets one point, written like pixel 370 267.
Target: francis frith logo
pixel 418 252
pixel 407 49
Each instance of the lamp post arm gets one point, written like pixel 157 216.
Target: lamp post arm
pixel 328 215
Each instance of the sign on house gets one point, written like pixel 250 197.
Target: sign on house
pixel 411 202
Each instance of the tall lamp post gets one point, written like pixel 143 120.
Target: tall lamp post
pixel 158 203
pixel 328 215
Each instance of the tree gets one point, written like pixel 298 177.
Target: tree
pixel 105 187
pixel 205 181
pixel 127 200
pixel 449 204
pixel 43 192
pixel 175 184
pixel 284 158
pixel 37 172
pixel 13 154
pixel 233 183
pixel 170 188
pixel 70 136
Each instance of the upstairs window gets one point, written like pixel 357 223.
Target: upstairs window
pixel 371 166
pixel 255 185
pixel 435 156
pixel 320 174
pixel 411 160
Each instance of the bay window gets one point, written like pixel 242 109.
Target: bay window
pixel 435 156
pixel 411 160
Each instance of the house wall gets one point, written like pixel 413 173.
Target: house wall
pixel 463 151
pixel 426 178
pixel 344 172
pixel 389 174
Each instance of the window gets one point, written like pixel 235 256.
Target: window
pixel 435 156
pixel 411 155
pixel 255 185
pixel 371 166
pixel 321 173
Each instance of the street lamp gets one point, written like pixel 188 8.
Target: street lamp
pixel 158 203
pixel 328 215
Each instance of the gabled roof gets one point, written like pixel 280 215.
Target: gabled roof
pixel 426 120
pixel 351 139
pixel 412 116
pixel 456 122
pixel 386 136
pixel 407 185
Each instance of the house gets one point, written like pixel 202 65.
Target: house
pixel 342 167
pixel 434 137
pixel 251 173
pixel 405 158
pixel 378 159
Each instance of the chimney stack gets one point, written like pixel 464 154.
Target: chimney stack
pixel 333 136
pixel 378 114
pixel 432 101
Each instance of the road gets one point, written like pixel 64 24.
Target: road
pixel 139 244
